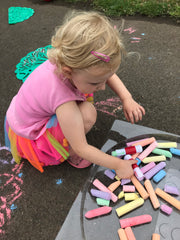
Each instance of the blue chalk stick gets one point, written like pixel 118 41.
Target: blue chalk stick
pixel 160 175
pixel 175 151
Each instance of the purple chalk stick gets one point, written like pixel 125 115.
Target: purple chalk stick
pixel 165 208
pixel 101 194
pixel 154 170
pixel 125 181
pixel 109 174
pixel 171 190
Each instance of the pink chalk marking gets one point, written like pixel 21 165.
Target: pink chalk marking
pixel 12 180
pixel 130 30
pixel 135 38
pixel 110 106
pixel 134 41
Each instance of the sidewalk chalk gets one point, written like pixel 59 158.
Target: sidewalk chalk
pixel 152 194
pixel 129 206
pixel 143 193
pixel 168 198
pixel 98 212
pixel 134 221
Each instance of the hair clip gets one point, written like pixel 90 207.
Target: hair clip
pixel 101 56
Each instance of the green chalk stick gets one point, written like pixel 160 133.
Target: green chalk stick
pixel 162 152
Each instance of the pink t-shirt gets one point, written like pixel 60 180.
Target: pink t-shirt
pixel 37 100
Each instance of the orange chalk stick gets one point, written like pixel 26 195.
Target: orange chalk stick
pixel 139 187
pixel 129 233
pixel 155 236
pixel 122 234
pixel 113 186
pixel 152 194
pixel 168 198
pixel 145 142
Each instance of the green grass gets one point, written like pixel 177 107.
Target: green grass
pixel 150 8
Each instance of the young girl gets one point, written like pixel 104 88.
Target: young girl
pixel 48 119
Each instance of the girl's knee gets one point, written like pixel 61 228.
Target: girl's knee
pixel 89 114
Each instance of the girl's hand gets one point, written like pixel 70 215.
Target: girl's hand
pixel 125 170
pixel 132 110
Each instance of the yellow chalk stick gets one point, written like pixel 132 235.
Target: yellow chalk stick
pixel 155 236
pixel 113 186
pixel 122 234
pixel 129 233
pixel 117 178
pixel 121 195
pixel 144 194
pixel 129 206
pixel 154 159
pixel 131 196
pixel 152 194
pixel 167 145
pixel 168 198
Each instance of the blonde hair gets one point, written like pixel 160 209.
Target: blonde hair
pixel 81 33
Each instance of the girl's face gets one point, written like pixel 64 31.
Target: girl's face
pixel 91 80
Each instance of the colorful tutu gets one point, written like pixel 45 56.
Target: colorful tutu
pixel 51 148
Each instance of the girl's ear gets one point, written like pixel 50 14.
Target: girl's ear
pixel 67 72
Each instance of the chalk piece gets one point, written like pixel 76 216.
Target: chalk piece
pixel 122 234
pixel 166 209
pixel 168 198
pixel 159 176
pixel 109 174
pixel 144 194
pixel 103 188
pixel 125 181
pixel 128 188
pixel 155 236
pixel 113 186
pixel 134 221
pixel 100 194
pixel 129 233
pixel 171 190
pixel 138 142
pixel 152 194
pixel 175 151
pixel 117 178
pixel 145 142
pixel 98 212
pixel 167 145
pixel 148 150
pixel 154 159
pixel 130 196
pixel 121 195
pixel 102 202
pixel 147 167
pixel 154 170
pixel 162 152
pixel 129 206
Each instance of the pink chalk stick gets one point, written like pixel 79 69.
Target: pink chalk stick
pixel 165 208
pixel 148 167
pixel 129 188
pixel 154 170
pixel 133 221
pixel 128 144
pixel 98 212
pixel 148 150
pixel 103 188
pixel 171 190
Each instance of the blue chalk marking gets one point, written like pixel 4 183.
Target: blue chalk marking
pixel 143 34
pixel 58 181
pixel 149 58
pixel 13 207
pixel 20 175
